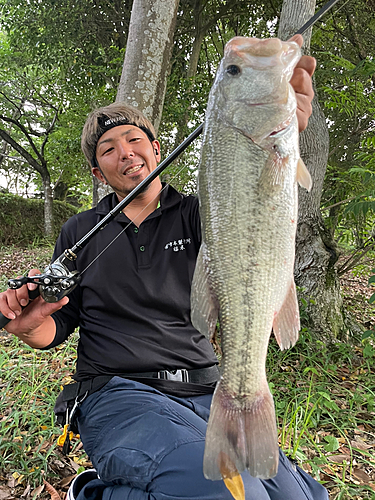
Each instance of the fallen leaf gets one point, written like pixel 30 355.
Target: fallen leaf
pixel 26 492
pixel 51 490
pixel 307 468
pixel 67 480
pixel 5 493
pixel 59 464
pixel 11 482
pixel 361 476
pixel 74 464
pixel 339 459
pixel 343 450
pixel 361 445
pixel 35 493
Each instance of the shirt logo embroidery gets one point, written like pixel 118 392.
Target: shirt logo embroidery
pixel 178 245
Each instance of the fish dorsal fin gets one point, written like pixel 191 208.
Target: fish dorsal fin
pixel 204 305
pixel 303 175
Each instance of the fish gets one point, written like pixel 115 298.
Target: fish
pixel 248 177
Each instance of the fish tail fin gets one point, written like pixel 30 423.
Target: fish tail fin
pixel 241 435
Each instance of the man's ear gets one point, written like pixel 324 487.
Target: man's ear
pixel 156 146
pixel 97 173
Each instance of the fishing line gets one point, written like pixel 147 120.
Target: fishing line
pixel 329 18
pixel 131 221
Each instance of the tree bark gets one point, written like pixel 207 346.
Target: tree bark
pixel 316 251
pixel 48 204
pixel 148 55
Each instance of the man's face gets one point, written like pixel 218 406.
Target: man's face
pixel 126 157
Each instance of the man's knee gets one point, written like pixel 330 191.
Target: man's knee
pixel 180 475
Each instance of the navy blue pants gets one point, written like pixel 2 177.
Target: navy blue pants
pixel 149 446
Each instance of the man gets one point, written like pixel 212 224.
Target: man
pixel 146 376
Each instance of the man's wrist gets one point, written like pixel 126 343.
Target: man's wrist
pixel 40 337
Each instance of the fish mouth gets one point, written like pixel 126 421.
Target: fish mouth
pixel 132 169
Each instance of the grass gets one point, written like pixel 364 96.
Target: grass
pixel 325 402
pixel 30 381
pixel 324 399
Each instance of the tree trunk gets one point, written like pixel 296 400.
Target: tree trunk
pixel 95 193
pixel 147 58
pixel 99 190
pixel 316 251
pixel 48 205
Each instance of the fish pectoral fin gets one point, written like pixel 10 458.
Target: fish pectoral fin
pixel 236 487
pixel 241 434
pixel 303 175
pixel 286 323
pixel 273 173
pixel 204 305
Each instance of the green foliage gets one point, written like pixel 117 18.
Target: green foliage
pixel 21 220
pixel 48 89
pixel 323 395
pixel 30 383
pixel 370 333
pixel 345 83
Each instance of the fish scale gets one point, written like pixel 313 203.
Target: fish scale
pixel 247 188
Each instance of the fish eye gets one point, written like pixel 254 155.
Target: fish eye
pixel 233 70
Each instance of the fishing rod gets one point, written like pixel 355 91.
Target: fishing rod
pixel 57 281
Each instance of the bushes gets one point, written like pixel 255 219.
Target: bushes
pixel 22 219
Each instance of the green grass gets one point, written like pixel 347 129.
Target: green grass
pixel 324 399
pixel 325 402
pixel 30 381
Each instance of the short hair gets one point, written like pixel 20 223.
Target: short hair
pixel 102 119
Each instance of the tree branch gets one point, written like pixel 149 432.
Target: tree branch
pixel 357 131
pixel 343 201
pixel 48 131
pixel 25 132
pixel 13 157
pixel 353 260
pixel 30 159
pixel 13 103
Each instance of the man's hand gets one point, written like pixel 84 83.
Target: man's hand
pixel 32 324
pixel 302 85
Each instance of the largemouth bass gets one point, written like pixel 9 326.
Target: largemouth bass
pixel 247 186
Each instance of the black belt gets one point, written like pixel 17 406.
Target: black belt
pixel 80 390
pixel 207 375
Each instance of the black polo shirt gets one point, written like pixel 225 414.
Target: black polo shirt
pixel 133 303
